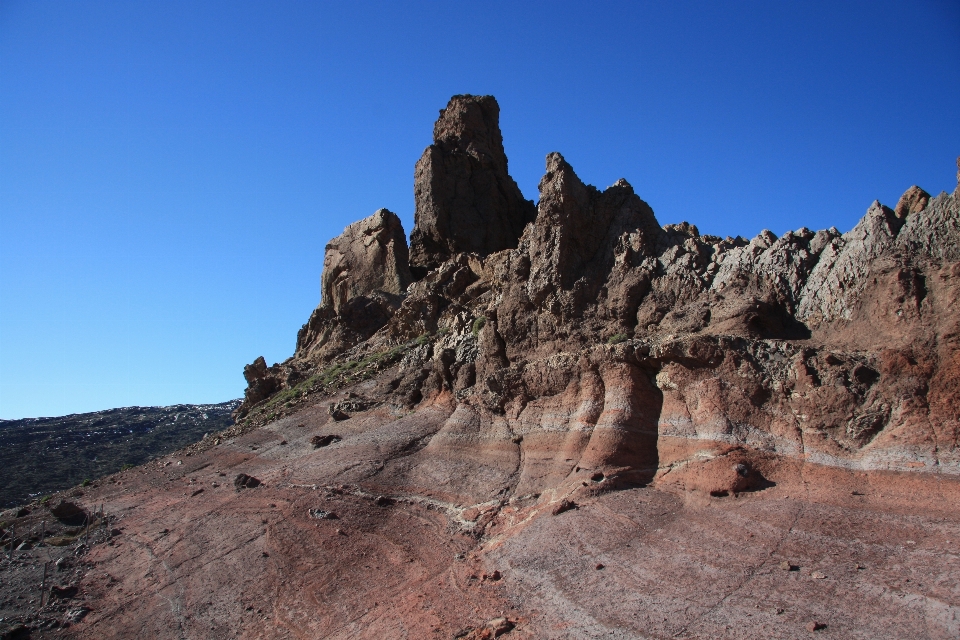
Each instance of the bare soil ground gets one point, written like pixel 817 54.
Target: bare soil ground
pixel 824 552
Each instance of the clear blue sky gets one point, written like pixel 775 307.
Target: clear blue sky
pixel 171 171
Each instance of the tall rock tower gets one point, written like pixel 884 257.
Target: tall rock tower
pixel 465 198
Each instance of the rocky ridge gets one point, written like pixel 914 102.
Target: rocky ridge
pixel 44 455
pixel 595 340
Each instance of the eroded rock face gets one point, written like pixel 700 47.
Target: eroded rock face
pixel 913 200
pixel 466 200
pixel 369 256
pixel 365 275
pixel 590 341
pixel 463 436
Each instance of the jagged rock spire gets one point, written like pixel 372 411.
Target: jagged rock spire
pixel 465 198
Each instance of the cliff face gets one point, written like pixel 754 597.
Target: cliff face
pixel 591 340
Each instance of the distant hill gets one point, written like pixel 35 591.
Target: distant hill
pixel 42 455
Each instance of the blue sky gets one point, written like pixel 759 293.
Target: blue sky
pixel 171 171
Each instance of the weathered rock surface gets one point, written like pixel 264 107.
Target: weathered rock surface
pixel 711 407
pixel 604 343
pixel 466 200
pixel 369 257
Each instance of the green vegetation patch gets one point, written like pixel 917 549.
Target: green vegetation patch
pixel 340 374
pixel 617 338
pixel 478 324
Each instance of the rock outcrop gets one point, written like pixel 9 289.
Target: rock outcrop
pixel 574 424
pixel 466 200
pixel 369 257
pixel 365 274
pixel 590 340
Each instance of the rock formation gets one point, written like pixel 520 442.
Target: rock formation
pixel 465 199
pixel 590 339
pixel 370 256
pixel 582 424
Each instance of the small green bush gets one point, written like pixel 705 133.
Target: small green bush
pixel 478 324
pixel 44 499
pixel 86 482
pixel 126 466
pixel 617 338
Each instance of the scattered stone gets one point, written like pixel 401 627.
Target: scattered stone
pixel 197 492
pixel 64 593
pixel 243 481
pixel 500 626
pixel 786 566
pixel 76 615
pixel 384 501
pixel 16 631
pixel 68 513
pixel 320 514
pixel 600 566
pixel 564 505
pixel 324 441
pixel 815 626
pixel 817 575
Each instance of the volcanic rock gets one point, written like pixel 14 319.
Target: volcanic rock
pixel 244 481
pixel 324 441
pixel 262 382
pixel 365 273
pixel 913 200
pixel 688 393
pixel 369 256
pixel 466 200
pixel 68 512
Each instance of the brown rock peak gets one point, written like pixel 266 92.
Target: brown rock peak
pixel 370 255
pixel 913 200
pixel 466 200
pixel 471 120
